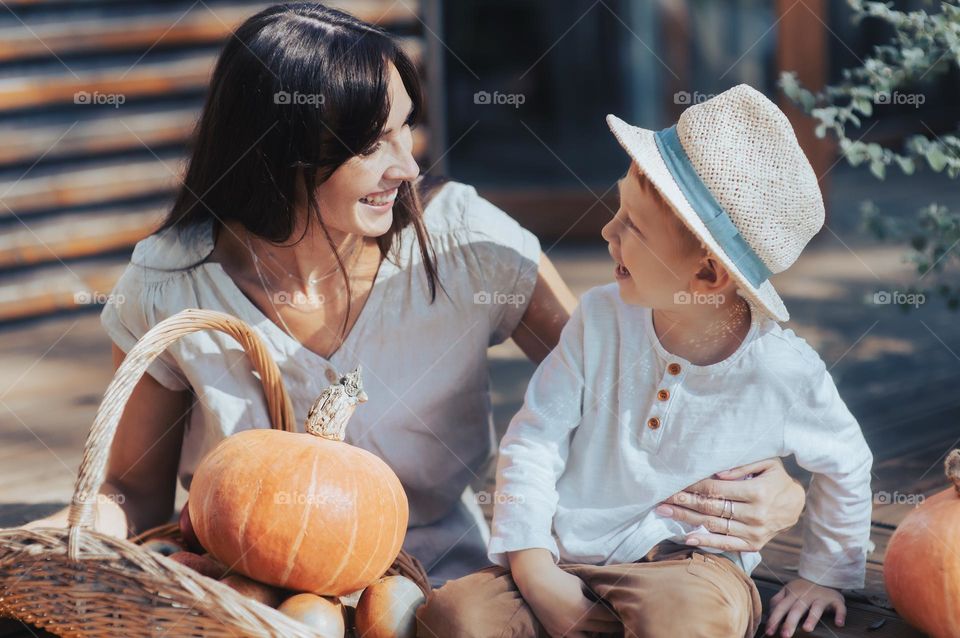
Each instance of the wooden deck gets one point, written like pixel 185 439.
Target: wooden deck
pixel 898 373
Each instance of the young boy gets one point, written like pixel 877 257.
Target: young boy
pixel 675 372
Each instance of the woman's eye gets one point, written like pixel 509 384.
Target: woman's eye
pixel 373 149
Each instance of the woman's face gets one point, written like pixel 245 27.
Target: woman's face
pixel 358 197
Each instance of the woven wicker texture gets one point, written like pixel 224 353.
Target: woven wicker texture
pixel 80 582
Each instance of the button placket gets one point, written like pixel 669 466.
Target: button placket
pixel 657 421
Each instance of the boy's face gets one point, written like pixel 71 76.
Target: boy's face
pixel 660 257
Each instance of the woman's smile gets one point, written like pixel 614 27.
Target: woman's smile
pixel 381 201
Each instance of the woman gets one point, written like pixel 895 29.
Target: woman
pixel 300 214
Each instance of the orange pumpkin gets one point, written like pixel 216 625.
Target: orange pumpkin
pixel 302 511
pixel 922 565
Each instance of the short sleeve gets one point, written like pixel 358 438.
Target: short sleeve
pixel 508 256
pixel 129 313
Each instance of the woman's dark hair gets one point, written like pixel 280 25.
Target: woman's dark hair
pixel 297 90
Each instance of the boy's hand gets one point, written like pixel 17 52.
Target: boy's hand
pixel 559 599
pixel 794 601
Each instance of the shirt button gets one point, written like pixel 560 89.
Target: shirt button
pixel 663 395
pixel 653 423
pixel 332 375
pixel 673 368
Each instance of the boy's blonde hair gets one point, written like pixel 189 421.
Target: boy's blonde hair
pixel 685 241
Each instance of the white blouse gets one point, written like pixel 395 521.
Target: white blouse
pixel 424 365
pixel 612 424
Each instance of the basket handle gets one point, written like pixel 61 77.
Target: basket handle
pixel 96 451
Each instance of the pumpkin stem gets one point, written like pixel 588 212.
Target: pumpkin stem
pixel 333 408
pixel 952 467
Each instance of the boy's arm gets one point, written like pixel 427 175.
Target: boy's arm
pixel 527 564
pixel 826 440
pixel 558 598
pixel 534 450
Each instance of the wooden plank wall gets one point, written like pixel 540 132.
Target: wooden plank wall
pixel 81 183
pixel 802 46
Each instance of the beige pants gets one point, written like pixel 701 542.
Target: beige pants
pixel 673 591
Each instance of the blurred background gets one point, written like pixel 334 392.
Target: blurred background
pixel 98 99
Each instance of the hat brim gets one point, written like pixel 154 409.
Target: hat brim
pixel 639 143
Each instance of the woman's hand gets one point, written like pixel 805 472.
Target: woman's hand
pixel 790 605
pixel 741 515
pixel 559 600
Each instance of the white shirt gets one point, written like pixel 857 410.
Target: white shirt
pixel 581 471
pixel 425 365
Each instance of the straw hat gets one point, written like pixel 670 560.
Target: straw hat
pixel 733 171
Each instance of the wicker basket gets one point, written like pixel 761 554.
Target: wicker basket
pixel 80 582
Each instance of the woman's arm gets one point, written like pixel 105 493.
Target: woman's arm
pixel 146 450
pixel 761 507
pixel 546 314
pixel 141 477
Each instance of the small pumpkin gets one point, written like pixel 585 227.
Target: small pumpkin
pixel 187 532
pixel 222 569
pixel 269 596
pixel 320 614
pixel 387 608
pixel 302 511
pixel 922 565
pixel 200 564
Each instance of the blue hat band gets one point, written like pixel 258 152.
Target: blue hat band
pixel 711 213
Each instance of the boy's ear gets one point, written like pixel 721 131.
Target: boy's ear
pixel 712 276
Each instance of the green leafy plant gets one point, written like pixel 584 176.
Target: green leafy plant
pixel 926 45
